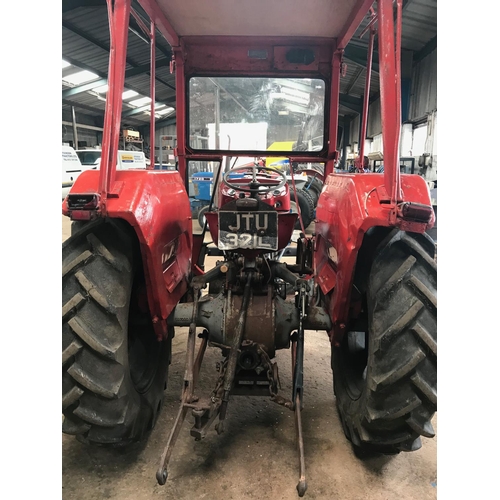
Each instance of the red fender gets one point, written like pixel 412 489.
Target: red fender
pixel 348 206
pixel 156 205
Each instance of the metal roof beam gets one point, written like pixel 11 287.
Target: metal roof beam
pixel 428 48
pixel 167 121
pixel 141 109
pixel 354 103
pixel 81 65
pixel 355 19
pixel 83 88
pixel 104 46
pixel 68 5
pixel 83 106
pixel 162 23
pixel 129 73
pixel 134 28
pixel 354 79
pixel 359 56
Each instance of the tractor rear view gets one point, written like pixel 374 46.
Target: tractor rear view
pixel 135 270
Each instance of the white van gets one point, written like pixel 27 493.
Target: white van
pixel 75 162
pixel 91 158
pixel 71 169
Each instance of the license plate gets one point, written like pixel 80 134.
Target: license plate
pixel 248 230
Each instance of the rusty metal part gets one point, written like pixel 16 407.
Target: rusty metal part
pixel 206 411
pixel 190 375
pixel 260 319
pixel 213 274
pixel 298 388
pixel 272 373
pixel 270 320
pixel 233 353
pixel 281 270
pixel 199 357
pixel 302 484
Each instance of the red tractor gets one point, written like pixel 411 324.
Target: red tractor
pixel 133 269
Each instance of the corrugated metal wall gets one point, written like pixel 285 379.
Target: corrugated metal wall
pixel 423 99
pixel 424 87
pixel 374 126
pixel 354 131
pixel 91 137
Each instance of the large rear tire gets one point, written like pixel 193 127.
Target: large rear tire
pixel 315 188
pixel 114 370
pixel 306 205
pixel 385 378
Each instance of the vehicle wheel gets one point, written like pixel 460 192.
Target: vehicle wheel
pixel 315 187
pixel 114 371
pixel 306 205
pixel 201 216
pixel 76 226
pixel 385 378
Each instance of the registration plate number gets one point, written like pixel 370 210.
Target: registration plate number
pixel 248 230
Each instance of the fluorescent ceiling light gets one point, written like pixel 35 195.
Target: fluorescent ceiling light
pixel 158 105
pixel 128 94
pixel 81 77
pixel 65 64
pixel 164 111
pixel 140 102
pixel 102 89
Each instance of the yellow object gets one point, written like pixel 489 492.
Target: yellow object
pixel 127 159
pixel 279 146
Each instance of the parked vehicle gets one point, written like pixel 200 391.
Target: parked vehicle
pixel 71 169
pixel 91 158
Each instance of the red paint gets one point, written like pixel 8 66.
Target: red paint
pixel 152 91
pixel 390 99
pixel 119 14
pixel 366 100
pixel 334 113
pixel 180 102
pixel 281 201
pixel 358 13
pixel 348 206
pixel 156 204
pixel 162 23
pixel 146 202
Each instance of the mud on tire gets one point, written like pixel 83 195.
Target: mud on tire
pixel 114 371
pixel 385 378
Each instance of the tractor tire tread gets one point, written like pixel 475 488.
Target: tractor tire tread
pixel 306 204
pixel 400 395
pixel 100 404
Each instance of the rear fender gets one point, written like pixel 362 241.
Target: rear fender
pixel 348 206
pixel 156 206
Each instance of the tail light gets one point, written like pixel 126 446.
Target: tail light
pixel 83 201
pixel 82 206
pixel 415 212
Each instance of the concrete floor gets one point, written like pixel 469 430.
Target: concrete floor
pixel 256 457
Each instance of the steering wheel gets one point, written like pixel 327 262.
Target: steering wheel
pixel 270 187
